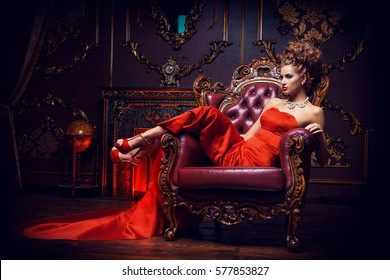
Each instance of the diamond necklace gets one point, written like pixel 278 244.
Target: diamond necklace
pixel 291 105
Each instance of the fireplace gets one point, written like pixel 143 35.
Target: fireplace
pixel 128 112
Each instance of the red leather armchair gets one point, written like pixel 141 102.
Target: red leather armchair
pixel 233 195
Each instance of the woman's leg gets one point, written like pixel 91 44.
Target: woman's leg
pixel 215 131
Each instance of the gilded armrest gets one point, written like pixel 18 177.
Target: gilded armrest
pixel 295 149
pixel 181 151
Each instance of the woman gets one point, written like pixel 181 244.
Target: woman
pixel 300 69
pixel 222 143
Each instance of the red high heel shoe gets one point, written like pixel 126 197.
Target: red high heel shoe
pixel 132 156
pixel 124 147
pixel 135 156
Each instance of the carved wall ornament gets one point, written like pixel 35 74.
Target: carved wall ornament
pixel 266 47
pixel 51 72
pixel 357 49
pixel 355 124
pixel 176 40
pixel 179 72
pixel 338 153
pixel 49 99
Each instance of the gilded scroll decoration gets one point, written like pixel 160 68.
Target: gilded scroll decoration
pixel 266 47
pixel 357 49
pixel 51 72
pixel 176 40
pixel 171 63
pixel 49 99
pixel 338 155
pixel 355 123
pixel 232 213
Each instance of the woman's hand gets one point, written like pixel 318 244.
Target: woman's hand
pixel 322 151
pixel 315 128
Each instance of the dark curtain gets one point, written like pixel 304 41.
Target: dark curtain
pixel 23 26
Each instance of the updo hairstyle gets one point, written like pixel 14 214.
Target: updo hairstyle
pixel 306 59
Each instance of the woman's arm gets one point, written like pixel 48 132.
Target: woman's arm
pixel 317 128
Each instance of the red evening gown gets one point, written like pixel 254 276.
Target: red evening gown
pixel 145 219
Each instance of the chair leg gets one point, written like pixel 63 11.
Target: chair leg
pixel 294 217
pixel 170 232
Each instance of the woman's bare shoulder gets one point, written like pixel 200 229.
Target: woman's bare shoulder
pixel 317 113
pixel 317 110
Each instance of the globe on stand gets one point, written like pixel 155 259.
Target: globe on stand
pixel 79 134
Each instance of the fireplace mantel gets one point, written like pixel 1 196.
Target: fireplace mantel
pixel 127 112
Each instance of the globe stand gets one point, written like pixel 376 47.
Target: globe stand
pixel 79 135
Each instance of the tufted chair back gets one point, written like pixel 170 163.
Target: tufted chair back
pixel 247 110
pixel 243 101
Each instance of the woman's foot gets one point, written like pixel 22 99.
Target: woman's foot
pixel 133 150
pixel 141 140
pixel 128 144
pixel 135 156
pixel 130 157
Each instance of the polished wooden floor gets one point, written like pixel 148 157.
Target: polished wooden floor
pixel 330 229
